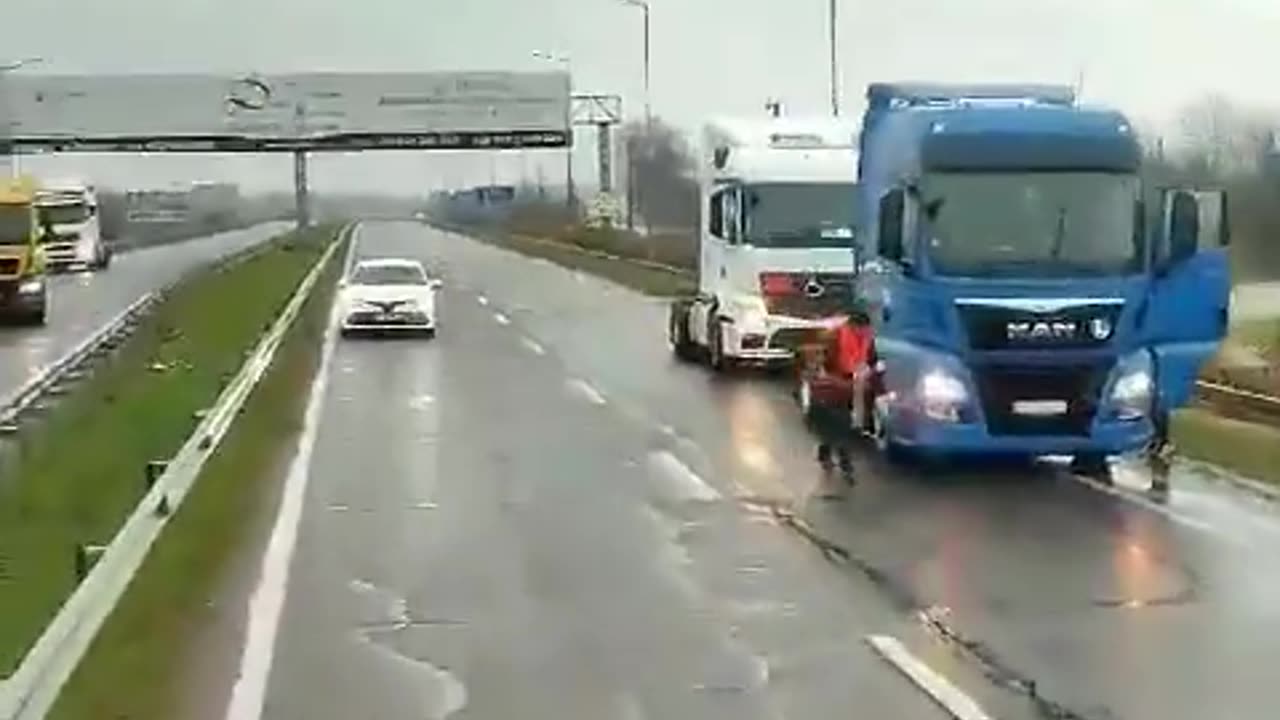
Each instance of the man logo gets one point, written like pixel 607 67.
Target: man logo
pixel 1040 331
pixel 1100 328
pixel 248 94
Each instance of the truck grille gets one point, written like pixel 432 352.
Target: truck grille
pixel 793 338
pixel 807 295
pixel 1000 386
pixel 999 328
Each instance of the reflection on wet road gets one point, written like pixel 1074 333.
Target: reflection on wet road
pixel 575 525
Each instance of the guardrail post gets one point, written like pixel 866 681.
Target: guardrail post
pixel 86 555
pixel 153 471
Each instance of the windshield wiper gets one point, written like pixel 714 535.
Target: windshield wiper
pixel 1059 235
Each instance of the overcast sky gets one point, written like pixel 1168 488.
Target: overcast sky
pixel 710 57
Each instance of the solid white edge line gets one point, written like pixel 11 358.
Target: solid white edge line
pixel 959 705
pixel 266 605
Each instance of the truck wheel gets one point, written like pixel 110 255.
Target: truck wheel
pixel 1093 466
pixel 715 347
pixel 682 346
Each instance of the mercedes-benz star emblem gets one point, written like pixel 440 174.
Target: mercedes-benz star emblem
pixel 813 288
pixel 249 94
pixel 1100 328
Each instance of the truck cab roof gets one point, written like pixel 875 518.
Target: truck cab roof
pixel 996 128
pixel 795 149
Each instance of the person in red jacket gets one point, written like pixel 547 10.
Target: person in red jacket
pixel 850 363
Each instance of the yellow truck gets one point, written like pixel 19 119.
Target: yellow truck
pixel 24 294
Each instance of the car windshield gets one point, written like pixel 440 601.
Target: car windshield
pixel 15 224
pixel 66 214
pixel 389 275
pixel 800 214
pixel 1045 223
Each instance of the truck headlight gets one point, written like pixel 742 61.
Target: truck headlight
pixel 31 287
pixel 942 395
pixel 1133 391
pixel 751 313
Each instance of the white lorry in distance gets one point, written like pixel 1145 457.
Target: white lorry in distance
pixel 776 239
pixel 72 230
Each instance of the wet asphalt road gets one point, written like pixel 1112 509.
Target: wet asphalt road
pixel 502 523
pixel 82 302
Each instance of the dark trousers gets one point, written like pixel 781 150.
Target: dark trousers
pixel 834 434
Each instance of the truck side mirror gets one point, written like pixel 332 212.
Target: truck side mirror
pixel 1193 220
pixel 889 244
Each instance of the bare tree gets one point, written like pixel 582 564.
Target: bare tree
pixel 662 174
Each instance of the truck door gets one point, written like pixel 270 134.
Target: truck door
pixel 1187 308
pixel 722 235
pixel 896 293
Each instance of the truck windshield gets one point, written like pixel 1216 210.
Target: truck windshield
pixel 799 215
pixel 66 213
pixel 15 224
pixel 1044 223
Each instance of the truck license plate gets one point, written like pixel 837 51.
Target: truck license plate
pixel 1040 408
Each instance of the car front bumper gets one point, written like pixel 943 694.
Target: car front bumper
pixel 407 322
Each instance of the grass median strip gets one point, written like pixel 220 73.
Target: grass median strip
pixel 76 475
pixel 137 665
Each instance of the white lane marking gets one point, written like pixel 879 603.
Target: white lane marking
pixel 584 389
pixel 533 346
pixel 266 605
pixel 678 481
pixel 482 300
pixel 959 705
pixel 1155 507
pixel 501 319
pixel 422 402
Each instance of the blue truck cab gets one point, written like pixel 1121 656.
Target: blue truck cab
pixel 1031 296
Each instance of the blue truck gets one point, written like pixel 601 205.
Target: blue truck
pixel 1031 296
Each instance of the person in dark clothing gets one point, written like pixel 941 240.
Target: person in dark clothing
pixel 848 378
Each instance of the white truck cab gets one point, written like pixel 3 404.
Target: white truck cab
pixel 72 231
pixel 776 239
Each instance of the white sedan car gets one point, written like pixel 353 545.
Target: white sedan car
pixel 389 295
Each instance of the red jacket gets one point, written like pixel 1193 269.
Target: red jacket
pixel 852 346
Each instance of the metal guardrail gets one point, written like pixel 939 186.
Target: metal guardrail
pixel 52 374
pixel 104 337
pixel 30 692
pixel 1254 402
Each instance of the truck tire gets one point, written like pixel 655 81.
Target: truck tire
pixel 715 347
pixel 682 345
pixel 1093 466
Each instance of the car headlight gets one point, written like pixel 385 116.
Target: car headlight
pixel 942 395
pixel 1133 391
pixel 31 287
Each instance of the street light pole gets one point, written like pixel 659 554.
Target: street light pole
pixel 835 76
pixel 644 6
